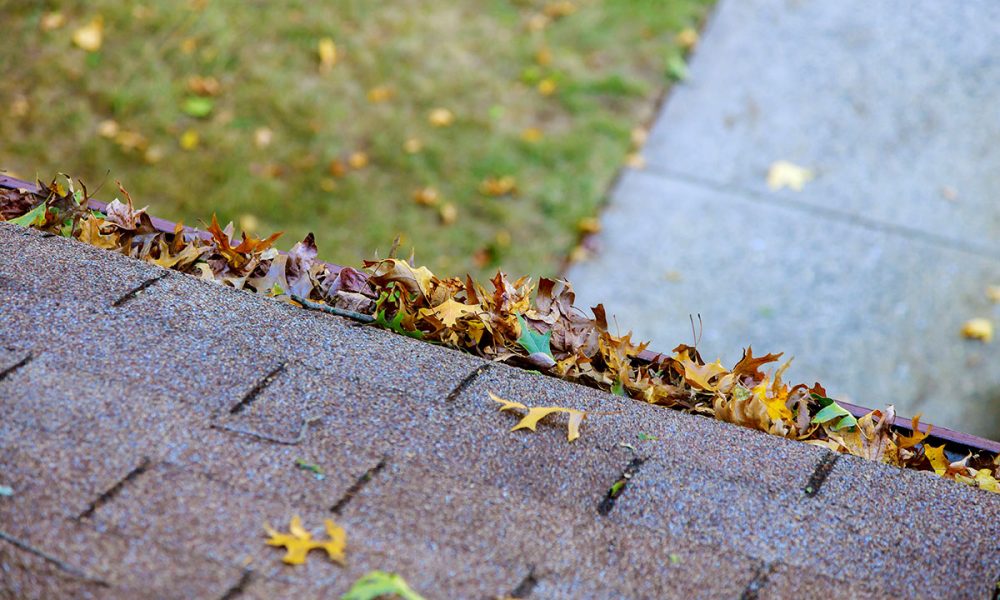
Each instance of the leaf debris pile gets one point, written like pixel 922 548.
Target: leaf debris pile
pixel 537 327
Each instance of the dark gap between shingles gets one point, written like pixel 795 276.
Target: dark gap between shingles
pixel 14 367
pixel 760 576
pixel 467 381
pixel 356 487
pixel 527 585
pixel 114 490
pixel 55 561
pixel 239 587
pixel 820 473
pixel 137 289
pixel 257 389
pixel 618 488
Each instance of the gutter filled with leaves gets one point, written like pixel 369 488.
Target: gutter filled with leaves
pixel 510 321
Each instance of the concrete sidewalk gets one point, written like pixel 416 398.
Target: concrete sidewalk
pixel 865 276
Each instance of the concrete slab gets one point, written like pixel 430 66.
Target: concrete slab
pixel 875 318
pixel 891 103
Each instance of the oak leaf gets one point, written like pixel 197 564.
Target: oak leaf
pixel 299 542
pixel 909 441
pixel 700 376
pixel 536 414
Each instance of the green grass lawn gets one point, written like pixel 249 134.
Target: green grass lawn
pixel 550 101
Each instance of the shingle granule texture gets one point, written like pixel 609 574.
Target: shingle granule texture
pixel 134 476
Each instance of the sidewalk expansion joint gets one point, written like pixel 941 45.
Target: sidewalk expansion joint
pixel 467 381
pixel 356 487
pixel 14 367
pixel 820 473
pixel 115 489
pixel 129 295
pixel 527 585
pixel 618 487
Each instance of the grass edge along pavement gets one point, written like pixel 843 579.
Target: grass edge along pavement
pixel 500 323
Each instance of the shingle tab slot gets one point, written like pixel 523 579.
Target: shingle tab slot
pixel 467 381
pixel 758 582
pixel 239 587
pixel 75 572
pixel 11 369
pixel 820 473
pixel 113 491
pixel 257 389
pixel 138 289
pixel 618 487
pixel 356 487
pixel 527 585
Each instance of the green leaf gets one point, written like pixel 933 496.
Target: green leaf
pixel 396 324
pixel 197 106
pixel 617 388
pixel 314 469
pixel 677 69
pixel 35 216
pixel 379 583
pixel 532 341
pixel 830 411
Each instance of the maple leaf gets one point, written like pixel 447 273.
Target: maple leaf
pixel 530 420
pixel 450 311
pixel 376 584
pixel 939 462
pixel 909 441
pixel 299 542
pixel 700 376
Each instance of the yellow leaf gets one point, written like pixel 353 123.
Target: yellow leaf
pixel 427 196
pixel 700 375
pixel 413 279
pixel 450 311
pixel 784 174
pixel 559 9
pixel 543 57
pixel 775 403
pixel 986 481
pixel 412 146
pixel 90 36
pixel 909 441
pixel 327 51
pixel 441 117
pixel 358 160
pixel 531 134
pixel 636 160
pixel 298 542
pixel 262 137
pixel 687 39
pixel 546 87
pixel 189 139
pixel 978 329
pixel 498 186
pixel 588 225
pixel 448 213
pixel 937 458
pixel 530 420
pixel 507 404
pixel 108 128
pixel 379 93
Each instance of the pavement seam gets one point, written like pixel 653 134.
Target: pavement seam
pixel 618 487
pixel 467 381
pixel 760 577
pixel 239 587
pixel 826 213
pixel 820 473
pixel 129 295
pixel 357 486
pixel 11 369
pixel 25 546
pixel 527 585
pixel 259 387
pixel 115 489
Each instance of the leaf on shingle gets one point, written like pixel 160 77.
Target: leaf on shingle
pixel 536 414
pixel 299 542
pixel 377 584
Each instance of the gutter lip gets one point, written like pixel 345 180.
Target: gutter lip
pixel 941 434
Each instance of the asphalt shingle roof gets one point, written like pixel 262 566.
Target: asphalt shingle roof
pixel 143 444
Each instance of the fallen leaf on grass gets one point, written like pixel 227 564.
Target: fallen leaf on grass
pixel 52 20
pixel 531 134
pixel 677 69
pixel 188 140
pixel 198 106
pixel 262 137
pixel 426 196
pixel 412 146
pixel 686 39
pixel 379 93
pixel 559 9
pixel 978 329
pixel 441 117
pixel 536 414
pixel 299 542
pixel 327 52
pixel 498 186
pixel 378 584
pixel 203 86
pixel 783 174
pixel 358 160
pixel 546 87
pixel 90 36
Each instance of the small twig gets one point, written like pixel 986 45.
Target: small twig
pixel 263 436
pixel 333 310
pixel 55 561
